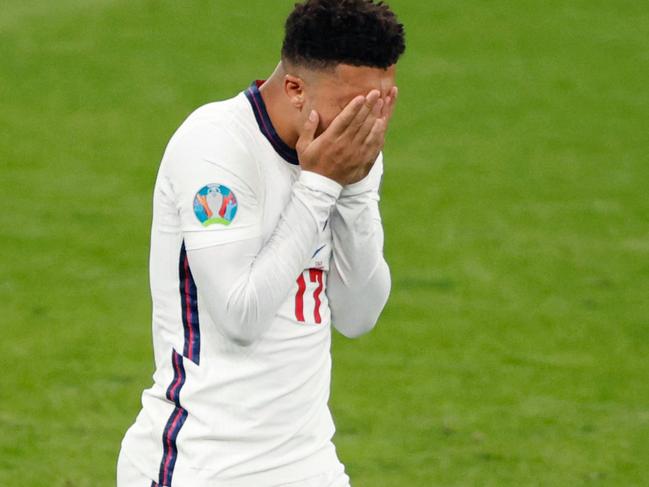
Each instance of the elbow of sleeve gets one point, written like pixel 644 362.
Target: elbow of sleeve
pixel 357 329
pixel 241 323
pixel 242 339
pixel 241 332
pixel 359 316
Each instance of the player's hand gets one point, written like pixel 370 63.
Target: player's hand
pixel 347 150
pixel 390 102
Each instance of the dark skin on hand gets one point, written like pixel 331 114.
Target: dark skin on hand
pixel 335 118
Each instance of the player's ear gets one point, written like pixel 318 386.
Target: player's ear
pixel 294 89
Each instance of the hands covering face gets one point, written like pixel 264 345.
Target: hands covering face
pixel 348 148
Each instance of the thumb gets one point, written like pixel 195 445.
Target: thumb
pixel 308 131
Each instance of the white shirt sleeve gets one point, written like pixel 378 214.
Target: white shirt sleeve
pixel 359 283
pixel 215 183
pixel 242 280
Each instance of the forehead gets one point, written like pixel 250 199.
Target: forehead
pixel 345 82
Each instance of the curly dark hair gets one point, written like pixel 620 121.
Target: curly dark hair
pixel 324 33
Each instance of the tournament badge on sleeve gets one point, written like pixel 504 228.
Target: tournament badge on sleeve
pixel 215 204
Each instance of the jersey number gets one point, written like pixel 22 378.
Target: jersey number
pixel 315 276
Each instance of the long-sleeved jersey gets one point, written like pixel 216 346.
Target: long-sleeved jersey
pixel 252 261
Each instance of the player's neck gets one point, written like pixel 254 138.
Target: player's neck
pixel 279 111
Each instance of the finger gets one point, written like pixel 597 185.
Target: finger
pixel 375 139
pixel 344 118
pixel 391 101
pixel 308 131
pixel 365 129
pixel 373 143
pixel 366 111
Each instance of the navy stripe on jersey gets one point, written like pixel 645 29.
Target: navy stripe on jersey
pixel 191 351
pixel 174 424
pixel 266 126
pixel 189 309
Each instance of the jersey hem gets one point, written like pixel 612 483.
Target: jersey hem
pixel 322 462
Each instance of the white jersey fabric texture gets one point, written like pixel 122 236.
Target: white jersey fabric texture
pixel 252 261
pixel 129 476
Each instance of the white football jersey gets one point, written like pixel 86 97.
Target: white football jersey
pixel 221 414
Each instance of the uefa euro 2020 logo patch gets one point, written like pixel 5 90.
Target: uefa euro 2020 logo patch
pixel 215 204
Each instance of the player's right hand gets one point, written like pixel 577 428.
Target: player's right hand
pixel 348 148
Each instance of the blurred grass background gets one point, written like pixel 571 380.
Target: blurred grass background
pixel 514 350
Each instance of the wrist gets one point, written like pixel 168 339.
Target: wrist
pixel 318 182
pixel 370 183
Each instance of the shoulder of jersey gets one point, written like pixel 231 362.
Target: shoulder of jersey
pixel 228 114
pixel 223 122
pixel 219 111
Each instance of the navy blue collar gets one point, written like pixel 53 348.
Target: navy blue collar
pixel 266 126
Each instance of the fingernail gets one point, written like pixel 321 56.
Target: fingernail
pixel 313 116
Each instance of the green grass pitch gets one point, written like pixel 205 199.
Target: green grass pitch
pixel 514 350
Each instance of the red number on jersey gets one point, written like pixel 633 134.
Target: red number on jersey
pixel 315 276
